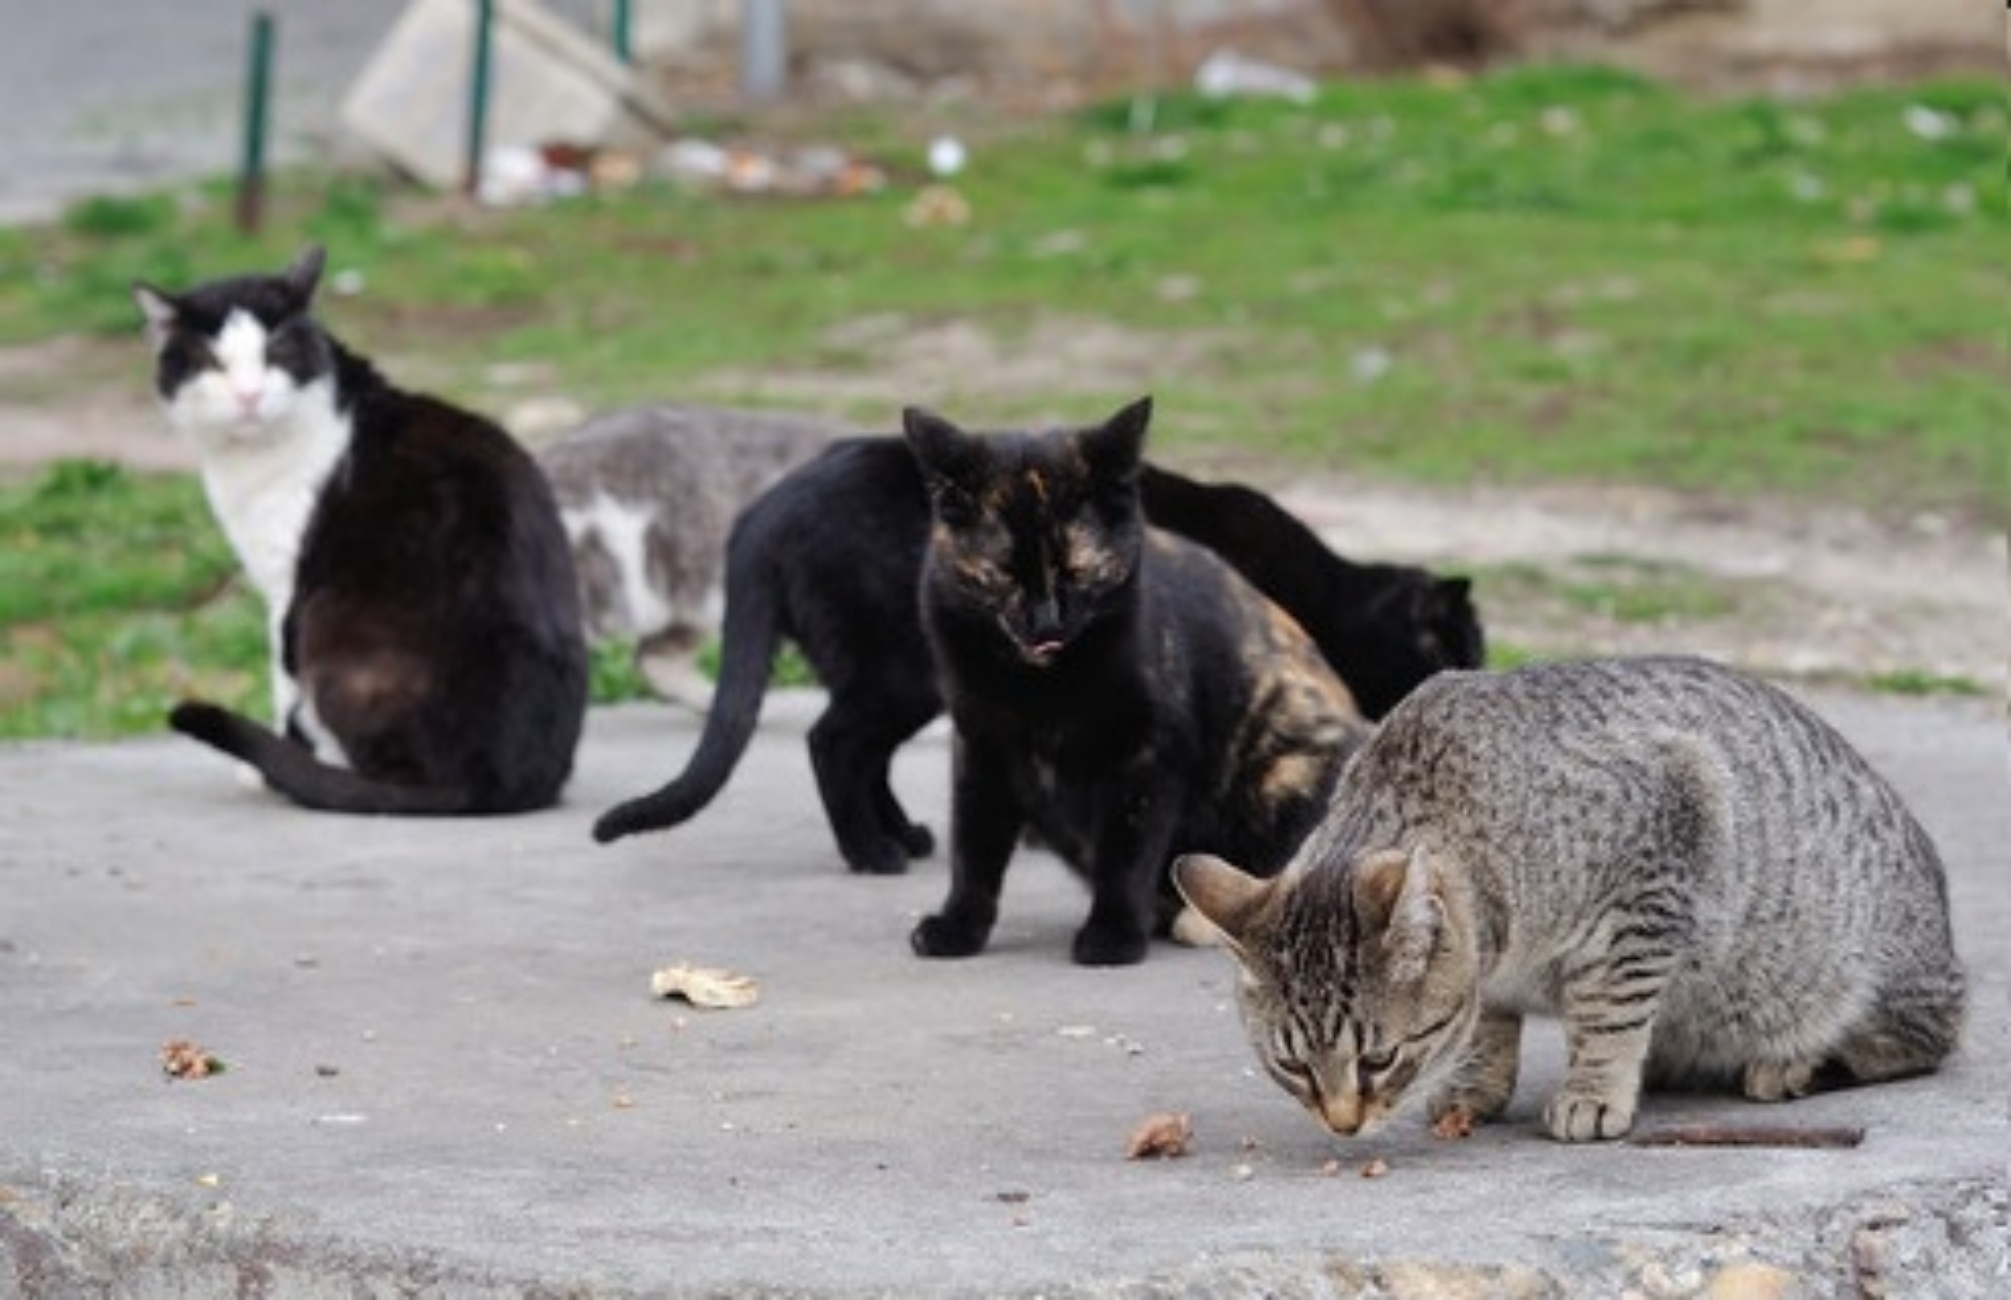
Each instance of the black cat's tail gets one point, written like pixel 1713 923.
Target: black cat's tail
pixel 296 773
pixel 749 634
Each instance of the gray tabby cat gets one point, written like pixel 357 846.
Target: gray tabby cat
pixel 648 495
pixel 1701 876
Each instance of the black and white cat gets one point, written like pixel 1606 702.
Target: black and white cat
pixel 427 654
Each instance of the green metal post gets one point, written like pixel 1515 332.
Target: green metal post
pixel 478 94
pixel 258 90
pixel 624 45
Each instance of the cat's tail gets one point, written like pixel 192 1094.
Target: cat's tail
pixel 749 634
pixel 296 773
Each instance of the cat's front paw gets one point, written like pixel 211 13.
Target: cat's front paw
pixel 1100 945
pixel 1465 1107
pixel 1579 1117
pixel 944 936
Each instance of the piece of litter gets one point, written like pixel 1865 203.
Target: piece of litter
pixel 1163 1136
pixel 182 1059
pixel 705 986
pixel 1375 1168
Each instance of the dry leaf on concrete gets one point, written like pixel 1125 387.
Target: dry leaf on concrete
pixel 182 1059
pixel 1163 1136
pixel 705 986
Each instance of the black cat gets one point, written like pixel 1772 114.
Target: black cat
pixel 427 654
pixel 828 558
pixel 1119 691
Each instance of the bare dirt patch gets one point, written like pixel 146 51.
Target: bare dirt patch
pixel 1794 588
pixel 884 361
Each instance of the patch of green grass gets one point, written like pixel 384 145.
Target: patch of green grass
pixel 118 595
pixel 1547 273
pixel 1914 682
pixel 1631 589
pixel 1620 589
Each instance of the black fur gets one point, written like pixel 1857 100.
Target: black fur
pixel 828 557
pixel 435 626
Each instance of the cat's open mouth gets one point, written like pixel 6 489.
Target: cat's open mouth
pixel 1040 653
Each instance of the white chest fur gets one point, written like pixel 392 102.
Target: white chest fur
pixel 262 489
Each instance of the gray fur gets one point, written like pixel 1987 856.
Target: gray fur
pixel 1699 874
pixel 648 495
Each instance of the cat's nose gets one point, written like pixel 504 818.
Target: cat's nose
pixel 1344 1115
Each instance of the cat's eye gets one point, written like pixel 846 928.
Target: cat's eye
pixel 1376 1062
pixel 195 354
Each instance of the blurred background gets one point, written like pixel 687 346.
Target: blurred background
pixel 1678 324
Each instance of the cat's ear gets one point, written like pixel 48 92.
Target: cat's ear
pixel 1232 901
pixel 305 272
pixel 158 308
pixel 1115 447
pixel 1394 895
pixel 952 461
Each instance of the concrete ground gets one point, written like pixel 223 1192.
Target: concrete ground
pixel 446 1075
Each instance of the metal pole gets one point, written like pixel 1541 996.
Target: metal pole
pixel 258 88
pixel 624 45
pixel 764 48
pixel 478 94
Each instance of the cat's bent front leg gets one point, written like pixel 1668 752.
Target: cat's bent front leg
pixel 1132 854
pixel 1485 1081
pixel 985 821
pixel 1607 1027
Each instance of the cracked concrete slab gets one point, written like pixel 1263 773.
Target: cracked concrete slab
pixel 446 1076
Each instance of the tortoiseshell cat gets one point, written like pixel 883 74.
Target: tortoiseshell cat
pixel 1698 873
pixel 829 558
pixel 427 656
pixel 1117 690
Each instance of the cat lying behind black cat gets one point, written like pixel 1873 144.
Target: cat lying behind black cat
pixel 1384 627
pixel 427 656
pixel 829 558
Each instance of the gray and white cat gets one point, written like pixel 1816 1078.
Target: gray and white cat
pixel 648 495
pixel 1699 874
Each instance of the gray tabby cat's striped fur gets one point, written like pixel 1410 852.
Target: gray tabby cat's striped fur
pixel 1702 877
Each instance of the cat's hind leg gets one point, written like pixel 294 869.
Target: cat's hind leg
pixel 668 661
pixel 852 747
pixel 1908 1034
